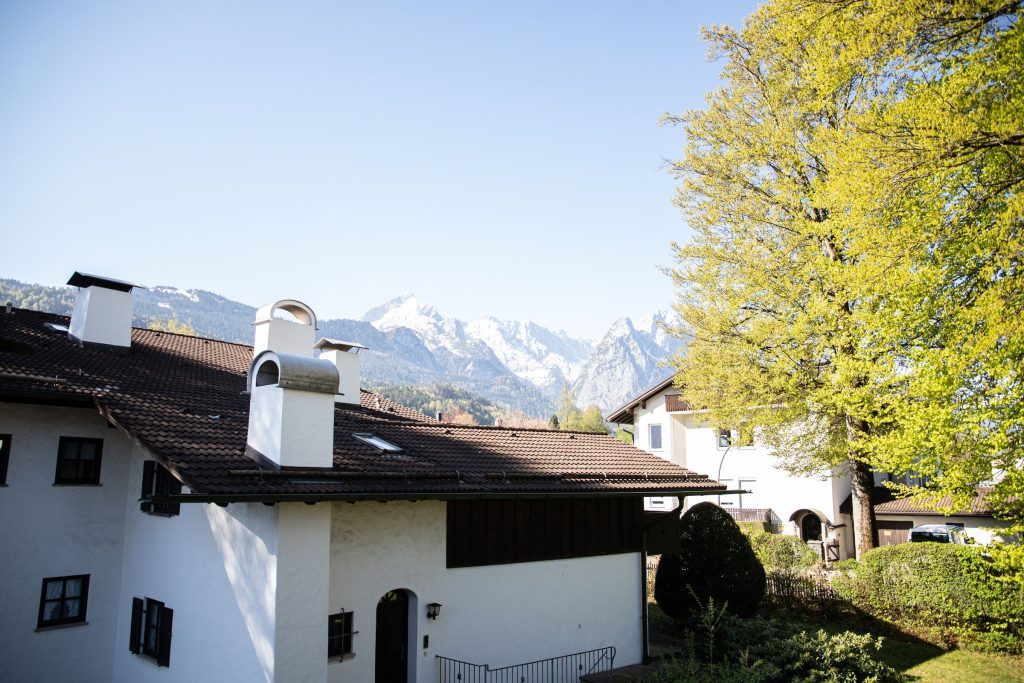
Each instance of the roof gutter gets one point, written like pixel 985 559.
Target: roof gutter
pixel 311 498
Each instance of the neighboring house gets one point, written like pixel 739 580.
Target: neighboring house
pixel 816 509
pixel 894 517
pixel 176 509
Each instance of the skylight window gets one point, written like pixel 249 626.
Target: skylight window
pixel 377 442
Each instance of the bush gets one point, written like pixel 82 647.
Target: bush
pixel 751 528
pixel 778 552
pixel 717 563
pixel 762 650
pixel 954 594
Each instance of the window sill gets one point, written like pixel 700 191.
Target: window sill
pixel 74 483
pixel 57 627
pixel 337 659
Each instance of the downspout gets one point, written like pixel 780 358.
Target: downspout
pixel 645 656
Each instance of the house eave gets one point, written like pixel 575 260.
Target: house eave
pixel 309 499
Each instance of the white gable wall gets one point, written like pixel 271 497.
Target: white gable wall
pixel 497 615
pixel 51 531
pixel 216 568
pixel 689 441
pixel 673 444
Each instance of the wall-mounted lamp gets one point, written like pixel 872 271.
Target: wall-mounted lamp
pixel 433 609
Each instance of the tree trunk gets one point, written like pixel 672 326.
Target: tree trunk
pixel 865 535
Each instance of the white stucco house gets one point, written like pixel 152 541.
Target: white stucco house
pixel 184 509
pixel 815 508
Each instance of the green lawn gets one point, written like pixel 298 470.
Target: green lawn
pixel 927 663
pixel 930 664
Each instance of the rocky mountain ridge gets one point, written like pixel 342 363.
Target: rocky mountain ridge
pixel 519 364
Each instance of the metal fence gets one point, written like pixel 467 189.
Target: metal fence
pixel 565 669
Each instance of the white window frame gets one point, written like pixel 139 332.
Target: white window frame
pixel 661 436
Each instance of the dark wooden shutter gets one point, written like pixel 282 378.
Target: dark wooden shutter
pixel 135 636
pixel 148 474
pixel 163 648
pixel 171 486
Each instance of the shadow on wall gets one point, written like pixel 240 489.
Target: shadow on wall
pixel 250 566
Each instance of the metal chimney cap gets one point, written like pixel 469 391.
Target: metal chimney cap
pixel 328 344
pixel 294 372
pixel 85 280
pixel 303 313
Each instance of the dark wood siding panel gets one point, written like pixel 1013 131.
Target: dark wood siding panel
pixel 893 533
pixel 675 402
pixel 487 532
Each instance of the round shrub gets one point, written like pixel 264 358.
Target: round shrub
pixel 716 563
pixel 954 593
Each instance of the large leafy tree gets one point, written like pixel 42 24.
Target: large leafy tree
pixel 853 286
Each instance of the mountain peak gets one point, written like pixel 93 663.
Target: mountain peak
pixel 404 310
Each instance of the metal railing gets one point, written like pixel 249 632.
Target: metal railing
pixel 564 669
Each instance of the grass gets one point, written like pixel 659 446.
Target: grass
pixel 922 661
pixel 928 663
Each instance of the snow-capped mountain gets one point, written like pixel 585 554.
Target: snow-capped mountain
pixel 622 364
pixel 515 363
pixel 626 361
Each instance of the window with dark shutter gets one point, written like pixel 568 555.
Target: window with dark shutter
pixel 158 482
pixel 339 635
pixel 78 461
pixel 5 456
pixel 151 630
pixel 63 601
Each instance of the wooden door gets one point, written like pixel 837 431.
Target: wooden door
pixel 393 637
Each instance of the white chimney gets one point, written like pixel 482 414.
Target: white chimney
pixel 291 409
pixel 292 334
pixel 103 311
pixel 345 356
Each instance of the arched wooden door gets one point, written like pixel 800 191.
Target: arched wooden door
pixel 810 527
pixel 392 637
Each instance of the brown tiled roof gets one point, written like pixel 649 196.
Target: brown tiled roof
pixel 183 399
pixel 887 504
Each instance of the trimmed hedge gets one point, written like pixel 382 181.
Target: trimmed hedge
pixel 955 594
pixel 716 563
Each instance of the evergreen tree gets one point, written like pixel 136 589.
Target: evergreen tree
pixel 717 562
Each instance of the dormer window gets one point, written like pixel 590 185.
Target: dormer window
pixel 377 442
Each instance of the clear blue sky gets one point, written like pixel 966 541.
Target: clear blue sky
pixel 495 158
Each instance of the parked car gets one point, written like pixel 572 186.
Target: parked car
pixel 939 533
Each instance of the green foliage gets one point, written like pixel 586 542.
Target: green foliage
pixel 771 651
pixel 855 284
pixel 553 421
pixel 717 564
pixel 37 297
pixel 624 435
pixel 781 552
pixel 452 401
pixel 955 594
pixel 569 417
pixel 172 325
pixel 751 528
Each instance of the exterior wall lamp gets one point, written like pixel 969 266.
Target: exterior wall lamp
pixel 433 609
